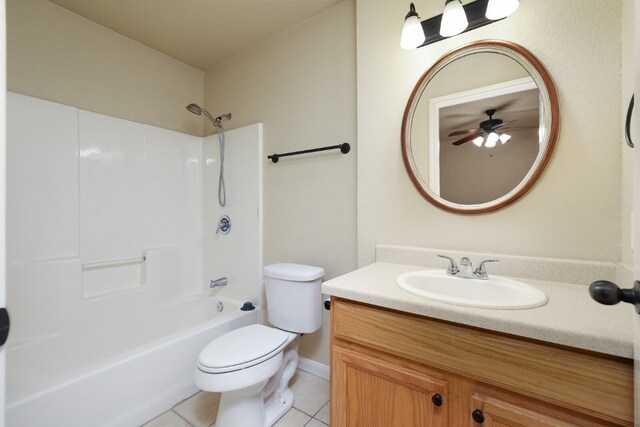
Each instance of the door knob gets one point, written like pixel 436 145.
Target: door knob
pixel 609 293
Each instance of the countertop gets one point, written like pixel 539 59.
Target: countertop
pixel 569 318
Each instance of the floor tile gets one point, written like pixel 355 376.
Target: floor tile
pixel 310 392
pixel 323 414
pixel 200 409
pixel 315 423
pixel 293 418
pixel 168 419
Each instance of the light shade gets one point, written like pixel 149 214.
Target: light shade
pixel 412 32
pixel 492 138
pixel 505 138
pixel 478 140
pixel 498 9
pixel 454 19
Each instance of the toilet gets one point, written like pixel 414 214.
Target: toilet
pixel 252 366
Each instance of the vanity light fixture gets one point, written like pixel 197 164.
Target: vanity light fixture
pixel 498 9
pixel 457 18
pixel 412 32
pixel 454 19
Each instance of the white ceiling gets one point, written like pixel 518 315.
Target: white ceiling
pixel 201 33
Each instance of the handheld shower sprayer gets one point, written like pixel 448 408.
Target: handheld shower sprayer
pixel 198 110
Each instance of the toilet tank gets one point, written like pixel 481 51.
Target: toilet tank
pixel 294 299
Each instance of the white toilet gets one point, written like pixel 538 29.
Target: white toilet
pixel 252 366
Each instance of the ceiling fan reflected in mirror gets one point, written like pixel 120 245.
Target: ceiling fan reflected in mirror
pixel 486 133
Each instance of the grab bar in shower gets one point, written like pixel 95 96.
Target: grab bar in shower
pixel 90 265
pixel 344 148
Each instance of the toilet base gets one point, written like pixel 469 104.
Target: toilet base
pixel 242 407
pixel 247 408
pixel 275 409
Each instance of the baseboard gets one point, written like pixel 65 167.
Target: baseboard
pixel 313 367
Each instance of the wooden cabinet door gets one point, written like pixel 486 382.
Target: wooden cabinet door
pixel 372 392
pixel 498 412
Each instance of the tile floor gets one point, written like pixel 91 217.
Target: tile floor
pixel 310 409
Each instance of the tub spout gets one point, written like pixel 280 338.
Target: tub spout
pixel 218 282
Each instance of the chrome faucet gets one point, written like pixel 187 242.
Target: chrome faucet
pixel 466 270
pixel 218 282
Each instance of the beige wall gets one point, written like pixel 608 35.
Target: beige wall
pixel 301 85
pixel 626 173
pixel 56 55
pixel 573 211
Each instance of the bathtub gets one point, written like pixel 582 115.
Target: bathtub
pixel 148 374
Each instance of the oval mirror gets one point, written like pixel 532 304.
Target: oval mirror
pixel 480 127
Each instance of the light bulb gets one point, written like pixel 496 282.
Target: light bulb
pixel 412 32
pixel 492 138
pixel 498 9
pixel 478 141
pixel 454 19
pixel 504 138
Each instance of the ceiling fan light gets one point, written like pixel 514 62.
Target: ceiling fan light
pixel 498 9
pixel 492 138
pixel 478 141
pixel 412 32
pixel 504 138
pixel 454 19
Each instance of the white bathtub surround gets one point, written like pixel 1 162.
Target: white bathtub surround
pixel 111 166
pixel 537 268
pixel 87 189
pixel 226 255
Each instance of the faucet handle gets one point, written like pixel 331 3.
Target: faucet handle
pixel 481 272
pixel 453 267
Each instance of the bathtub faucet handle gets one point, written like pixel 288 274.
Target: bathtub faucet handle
pixel 218 282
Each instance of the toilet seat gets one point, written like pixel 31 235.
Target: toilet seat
pixel 242 348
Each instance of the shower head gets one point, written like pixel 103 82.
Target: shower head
pixel 196 109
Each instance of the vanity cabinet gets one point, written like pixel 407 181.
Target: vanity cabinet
pixel 390 368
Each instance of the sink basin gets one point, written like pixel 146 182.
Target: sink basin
pixel 493 293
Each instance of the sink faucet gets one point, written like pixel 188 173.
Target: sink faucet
pixel 466 270
pixel 218 282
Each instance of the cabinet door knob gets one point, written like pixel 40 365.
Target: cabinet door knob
pixel 437 399
pixel 477 416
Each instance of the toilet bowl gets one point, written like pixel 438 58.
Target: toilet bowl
pixel 252 366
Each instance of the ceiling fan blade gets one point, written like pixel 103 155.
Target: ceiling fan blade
pixel 466 139
pixel 501 125
pixel 519 128
pixel 463 132
pixel 504 106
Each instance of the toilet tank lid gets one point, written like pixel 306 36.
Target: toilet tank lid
pixel 296 272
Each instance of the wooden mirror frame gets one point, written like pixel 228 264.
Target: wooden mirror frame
pixel 543 80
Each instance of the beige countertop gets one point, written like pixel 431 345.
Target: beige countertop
pixel 570 317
